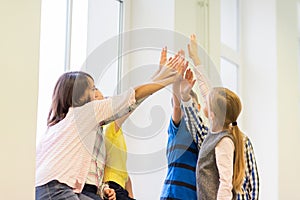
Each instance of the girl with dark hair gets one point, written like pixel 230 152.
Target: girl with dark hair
pixel 64 156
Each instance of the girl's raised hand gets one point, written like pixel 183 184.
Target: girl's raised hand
pixel 193 50
pixel 172 69
pixel 162 61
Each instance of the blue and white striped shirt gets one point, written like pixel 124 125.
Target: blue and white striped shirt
pixel 182 154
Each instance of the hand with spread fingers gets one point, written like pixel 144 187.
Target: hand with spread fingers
pixel 171 69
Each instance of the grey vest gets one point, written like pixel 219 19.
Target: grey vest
pixel 207 172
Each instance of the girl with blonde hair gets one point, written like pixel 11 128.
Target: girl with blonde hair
pixel 226 167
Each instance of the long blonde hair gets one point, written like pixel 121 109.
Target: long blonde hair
pixel 227 106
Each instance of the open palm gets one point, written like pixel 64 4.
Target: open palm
pixel 187 84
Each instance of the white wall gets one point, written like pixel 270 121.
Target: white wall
pixel 19 50
pixel 288 99
pixel 271 93
pixel 259 91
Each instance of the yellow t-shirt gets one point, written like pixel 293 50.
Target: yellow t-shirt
pixel 116 156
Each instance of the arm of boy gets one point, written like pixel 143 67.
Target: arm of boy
pixel 194 123
pixel 176 99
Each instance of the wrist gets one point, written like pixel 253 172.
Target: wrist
pixel 104 187
pixel 185 97
pixel 176 86
pixel 196 61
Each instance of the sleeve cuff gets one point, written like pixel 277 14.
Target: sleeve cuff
pixel 174 127
pixel 131 99
pixel 188 103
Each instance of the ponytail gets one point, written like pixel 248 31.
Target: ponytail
pixel 239 159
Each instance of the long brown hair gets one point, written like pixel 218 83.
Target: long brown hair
pixel 68 92
pixel 227 106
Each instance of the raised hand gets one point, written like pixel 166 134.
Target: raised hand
pixel 186 85
pixel 193 50
pixel 183 68
pixel 162 61
pixel 172 69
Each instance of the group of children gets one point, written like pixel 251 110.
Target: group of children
pixel 219 163
pixel 205 161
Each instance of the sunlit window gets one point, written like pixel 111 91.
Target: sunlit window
pixel 52 55
pixel 229 23
pixel 229 74
pixel 230 45
pixel 103 29
pixel 70 31
pixel 78 34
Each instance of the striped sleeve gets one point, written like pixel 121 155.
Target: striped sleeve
pixel 194 122
pixel 123 112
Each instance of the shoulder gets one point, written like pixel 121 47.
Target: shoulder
pixel 226 142
pixel 224 135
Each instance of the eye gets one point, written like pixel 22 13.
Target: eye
pixel 94 88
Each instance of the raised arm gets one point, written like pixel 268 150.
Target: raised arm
pixel 194 122
pixel 198 69
pixel 176 98
pixel 126 102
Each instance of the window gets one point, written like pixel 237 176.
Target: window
pixel 70 31
pixel 229 73
pixel 103 41
pixel 78 24
pixel 52 55
pixel 229 23
pixel 230 55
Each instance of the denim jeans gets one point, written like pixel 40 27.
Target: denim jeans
pixel 55 190
pixel 91 191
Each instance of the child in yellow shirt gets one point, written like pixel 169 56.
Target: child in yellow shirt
pixel 115 173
